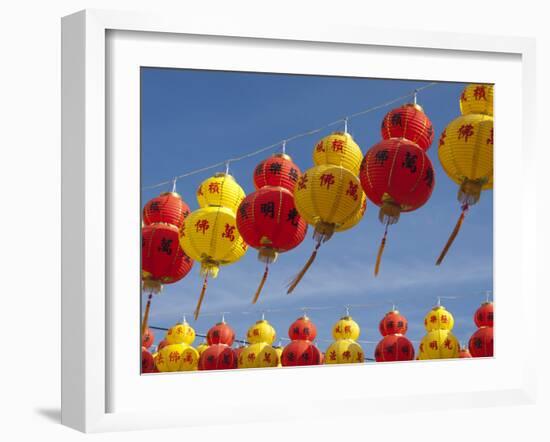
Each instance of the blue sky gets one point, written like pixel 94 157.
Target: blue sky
pixel 191 119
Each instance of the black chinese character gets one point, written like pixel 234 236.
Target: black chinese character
pixel 396 120
pixel 293 174
pixel 429 177
pixel 410 162
pixel 155 206
pixel 293 217
pixel 260 169
pixel 268 209
pixel 165 246
pixel 243 210
pixel 380 157
pixel 275 168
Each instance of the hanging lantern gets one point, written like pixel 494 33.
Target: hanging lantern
pixel 181 333
pixel 338 149
pixel 344 351
pixel 261 331
pixel 438 319
pixel 177 357
pixel 147 361
pixel 258 355
pixel 279 350
pixel 346 328
pixel 220 190
pixel 201 347
pixel 393 323
pixel 148 338
pixel 166 208
pixel 302 329
pixel 394 347
pixel 299 353
pixel 481 343
pixel 209 234
pixel 397 175
pixel 483 316
pixel 218 357
pixel 278 170
pixel 477 99
pixel 466 151
pixel 439 344
pixel 268 220
pixel 408 121
pixel 221 333
pixel 464 353
pixel 238 352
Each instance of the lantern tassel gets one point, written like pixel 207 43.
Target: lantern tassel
pixel 453 234
pixel 381 250
pixel 261 286
pixel 201 297
pixel 146 315
pixel 300 275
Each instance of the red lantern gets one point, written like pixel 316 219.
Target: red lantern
pixel 221 333
pixel 484 315
pixel 167 208
pixel 162 259
pixel 302 329
pixel 278 170
pixel 300 352
pixel 393 323
pixel 481 343
pixel 162 344
pixel 148 338
pixel 394 348
pixel 218 357
pixel 408 121
pixel 398 176
pixel 464 353
pixel 147 362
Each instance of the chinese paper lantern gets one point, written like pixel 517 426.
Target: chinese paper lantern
pixel 210 235
pixel 177 357
pixel 238 351
pixel 261 331
pixel 166 208
pixel 466 151
pixel 346 328
pixel 218 357
pixel 147 361
pixel 299 353
pixel 258 355
pixel 338 149
pixel 344 351
pixel 181 333
pixel 279 350
pixel 438 318
pixel 393 323
pixel 201 347
pixel 394 347
pixel 397 175
pixel 302 329
pixel 278 170
pixel 481 343
pixel 221 333
pixel 439 344
pixel 408 121
pixel 483 316
pixel 268 220
pixel 464 353
pixel 148 338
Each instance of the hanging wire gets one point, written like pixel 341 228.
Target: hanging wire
pixel 344 120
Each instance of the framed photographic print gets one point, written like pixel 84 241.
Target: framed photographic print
pixel 249 206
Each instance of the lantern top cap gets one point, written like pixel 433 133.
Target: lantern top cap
pixel 346 318
pixel 487 303
pixel 223 174
pixel 174 194
pixel 282 155
pixel 416 106
pixel 393 312
pixel 261 321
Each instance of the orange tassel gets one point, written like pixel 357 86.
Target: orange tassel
pixel 261 286
pixel 146 315
pixel 453 235
pixel 381 251
pixel 201 297
pixel 300 275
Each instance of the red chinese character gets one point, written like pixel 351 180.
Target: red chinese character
pixel 338 145
pixel 338 329
pixel 490 139
pixel 202 225
pixel 267 357
pixel 433 345
pixel 174 356
pixel 443 319
pixel 160 359
pixel 479 93
pixel 447 344
pixel 352 190
pixel 442 137
pixel 320 147
pixel 463 96
pixel 433 318
pixel 347 329
pixel 229 232
pixel 251 356
pixel 465 131
pixel 256 332
pixel 327 179
pixel 332 355
pixel 346 355
pixel 359 356
pixel 302 182
pixel 188 358
pixel 214 187
pixel 179 331
pixel 199 192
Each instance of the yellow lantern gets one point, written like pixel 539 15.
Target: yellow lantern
pixel 177 357
pixel 439 319
pixel 220 190
pixel 261 331
pixel 344 351
pixel 338 149
pixel 346 328
pixel 201 347
pixel 439 344
pixel 477 99
pixel 354 220
pixel 181 333
pixel 259 355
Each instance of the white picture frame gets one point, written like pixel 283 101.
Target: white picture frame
pixel 91 179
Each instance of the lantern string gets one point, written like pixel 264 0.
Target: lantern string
pixel 310 132
pixel 174 184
